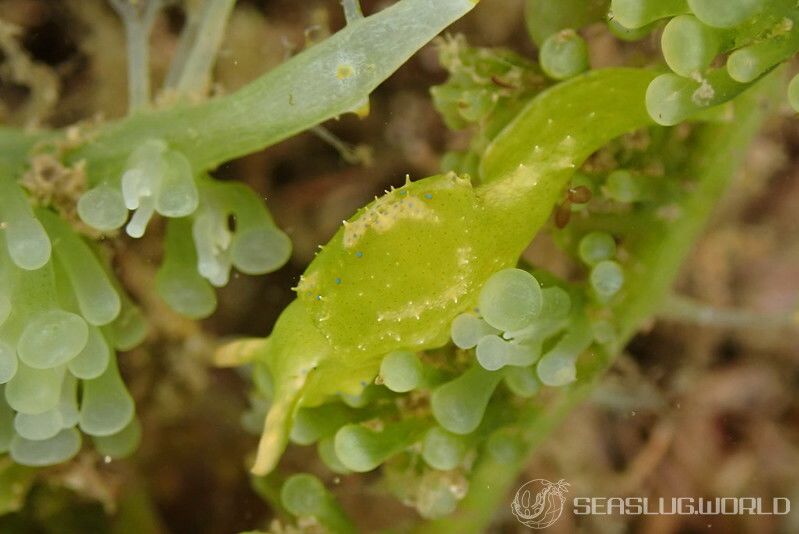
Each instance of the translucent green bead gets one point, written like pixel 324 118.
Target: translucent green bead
pixel 52 338
pixel 689 45
pixel 639 13
pixel 93 359
pixel 544 17
pixel 312 424
pixel 622 186
pixel 671 98
pixel 361 449
pixel 607 278
pixel 750 62
pixel 25 239
pixel 212 238
pixel 510 300
pixel 564 55
pixel 96 296
pixel 494 353
pixel 436 495
pixel 443 450
pixel 39 426
pixel 34 391
pixel 258 246
pixel 303 495
pixel 366 396
pixel 604 332
pixel 459 405
pixel 106 406
pixel 157 179
pixel 103 208
pixel 557 304
pixel 260 250
pixel 178 281
pixel 402 371
pixel 557 366
pixel 467 329
pixel 55 450
pixel 129 328
pixel 177 193
pixel 725 13
pixel 595 247
pixel 629 34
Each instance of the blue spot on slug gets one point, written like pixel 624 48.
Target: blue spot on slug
pixel 359 254
pixel 428 195
pixel 338 281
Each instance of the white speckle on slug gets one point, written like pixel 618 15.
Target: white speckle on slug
pixel 384 213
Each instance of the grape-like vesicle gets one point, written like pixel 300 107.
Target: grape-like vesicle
pixel 52 338
pixel 596 246
pixel 312 424
pixel 725 13
pixel 103 208
pixel 510 299
pixel 468 329
pixel 97 298
pixel 177 281
pixel 564 55
pixel 437 495
pixel 25 239
pixel 361 449
pixel 303 495
pixel 93 359
pixel 34 391
pixel 689 46
pixel 106 406
pixel 443 450
pixel 54 450
pixel 494 353
pixel 39 426
pixel 557 366
pixel 748 63
pixel 622 186
pixel 639 13
pixel 671 98
pixel 402 371
pixel 459 405
pixel 607 279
